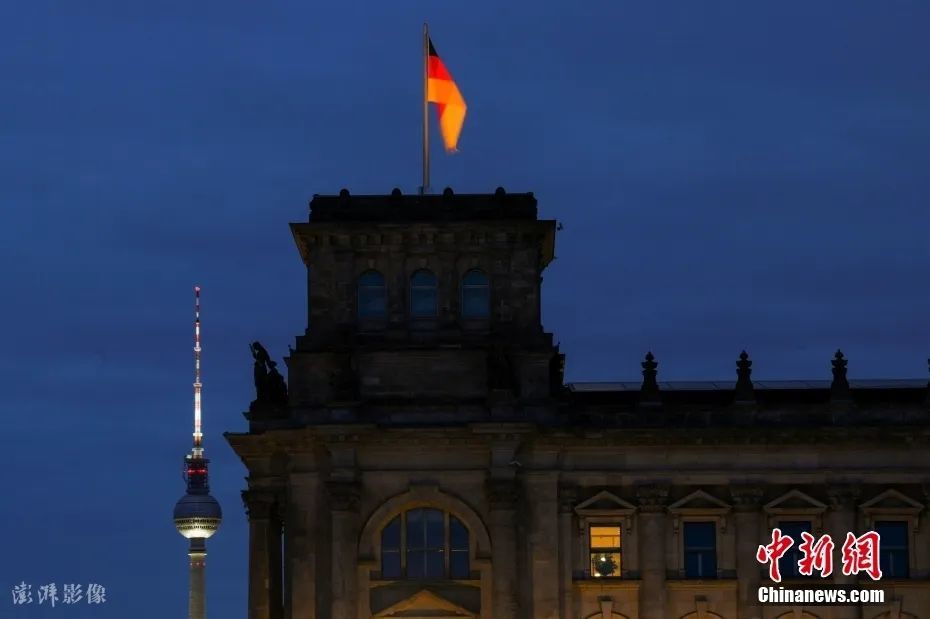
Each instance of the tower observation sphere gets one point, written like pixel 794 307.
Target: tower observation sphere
pixel 197 515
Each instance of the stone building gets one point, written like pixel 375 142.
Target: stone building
pixel 427 459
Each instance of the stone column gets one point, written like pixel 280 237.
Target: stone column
pixel 841 520
pixel 502 500
pixel 747 517
pixel 259 506
pixel 653 530
pixel 301 531
pixel 543 542
pixel 568 497
pixel 275 563
pixel 343 501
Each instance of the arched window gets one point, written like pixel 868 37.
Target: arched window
pixel 476 295
pixel 424 297
pixel 372 295
pixel 425 544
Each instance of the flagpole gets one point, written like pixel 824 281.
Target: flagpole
pixel 425 187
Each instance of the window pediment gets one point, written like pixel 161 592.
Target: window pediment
pixel 795 505
pixel 895 505
pixel 604 503
pixel 605 507
pixel 795 502
pixel 892 501
pixel 699 504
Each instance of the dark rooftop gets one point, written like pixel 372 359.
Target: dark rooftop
pixel 447 206
pixel 723 385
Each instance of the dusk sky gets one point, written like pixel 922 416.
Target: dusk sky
pixel 729 175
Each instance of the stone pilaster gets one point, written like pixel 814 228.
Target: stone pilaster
pixel 543 543
pixel 275 564
pixel 261 510
pixel 503 495
pixel 653 528
pixel 842 520
pixel 343 502
pixel 301 532
pixel 568 497
pixel 747 518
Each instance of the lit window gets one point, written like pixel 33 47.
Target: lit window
pixel 605 551
pixel 700 546
pixel 476 295
pixel 372 295
pixel 788 564
pixel 425 544
pixel 893 548
pixel 424 297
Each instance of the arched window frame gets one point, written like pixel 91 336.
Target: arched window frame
pixel 456 553
pixel 370 288
pixel 470 287
pixel 423 287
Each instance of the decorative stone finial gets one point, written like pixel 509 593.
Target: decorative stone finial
pixel 650 389
pixel 343 193
pixel 447 192
pixel 396 192
pixel 839 388
pixel 499 192
pixel 744 389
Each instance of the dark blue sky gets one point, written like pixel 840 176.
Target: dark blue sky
pixel 729 175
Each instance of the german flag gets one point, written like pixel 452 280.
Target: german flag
pixel 441 90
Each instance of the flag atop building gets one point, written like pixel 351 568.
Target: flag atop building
pixel 442 90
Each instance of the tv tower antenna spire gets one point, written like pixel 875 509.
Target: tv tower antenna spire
pixel 198 435
pixel 197 515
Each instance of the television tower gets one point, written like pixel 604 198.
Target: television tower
pixel 197 515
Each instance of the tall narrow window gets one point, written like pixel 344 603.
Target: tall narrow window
pixel 425 543
pixel 372 295
pixel 700 546
pixel 476 295
pixel 605 551
pixel 788 564
pixel 424 297
pixel 390 550
pixel 893 548
pixel 458 549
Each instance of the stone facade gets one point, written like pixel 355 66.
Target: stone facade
pixel 431 461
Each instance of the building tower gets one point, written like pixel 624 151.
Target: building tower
pixel 197 515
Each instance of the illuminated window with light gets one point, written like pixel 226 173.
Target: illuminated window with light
pixel 424 295
pixel 605 550
pixel 476 295
pixel 425 544
pixel 372 296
